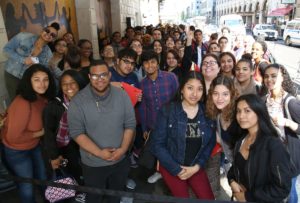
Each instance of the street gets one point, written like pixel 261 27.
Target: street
pixel 289 56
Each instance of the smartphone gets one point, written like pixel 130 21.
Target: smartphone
pixel 35 59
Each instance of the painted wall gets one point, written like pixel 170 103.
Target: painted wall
pixel 33 15
pixel 3 41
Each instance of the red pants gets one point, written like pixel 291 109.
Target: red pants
pixel 179 188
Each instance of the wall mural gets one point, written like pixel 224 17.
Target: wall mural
pixel 33 15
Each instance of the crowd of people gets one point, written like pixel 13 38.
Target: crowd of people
pixel 202 108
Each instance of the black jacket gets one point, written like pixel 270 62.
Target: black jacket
pixel 51 118
pixel 191 55
pixel 267 170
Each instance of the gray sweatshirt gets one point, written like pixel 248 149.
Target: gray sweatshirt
pixel 102 119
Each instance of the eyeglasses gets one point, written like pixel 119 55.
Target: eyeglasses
pixel 102 76
pixel 209 63
pixel 127 62
pixel 52 34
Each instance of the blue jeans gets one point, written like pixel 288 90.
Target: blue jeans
pixel 27 164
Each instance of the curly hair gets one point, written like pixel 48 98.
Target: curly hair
pixel 211 109
pixel 25 88
pixel 287 83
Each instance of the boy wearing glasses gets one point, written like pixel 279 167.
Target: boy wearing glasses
pixel 101 120
pixel 25 49
pixel 124 68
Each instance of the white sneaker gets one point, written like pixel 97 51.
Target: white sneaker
pixel 155 177
pixel 80 197
pixel 126 200
pixel 130 184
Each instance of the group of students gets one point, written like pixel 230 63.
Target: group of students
pixel 237 108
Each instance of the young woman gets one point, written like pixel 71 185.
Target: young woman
pixel 60 50
pixel 24 127
pixel 173 64
pixel 280 87
pixel 261 165
pixel 210 69
pixel 108 55
pixel 227 60
pixel 56 140
pixel 86 52
pixel 137 46
pixel 183 140
pixel 170 43
pixel 158 48
pixel 26 49
pixel 221 100
pixel 259 48
pixel 244 82
pixel 69 38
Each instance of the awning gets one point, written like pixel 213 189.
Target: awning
pixel 280 11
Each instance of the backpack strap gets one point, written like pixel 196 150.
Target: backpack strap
pixel 286 106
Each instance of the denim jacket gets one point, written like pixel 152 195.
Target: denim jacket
pixel 20 47
pixel 168 140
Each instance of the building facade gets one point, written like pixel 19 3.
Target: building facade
pixel 259 11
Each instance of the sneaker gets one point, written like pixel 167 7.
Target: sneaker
pixel 130 184
pixel 155 177
pixel 80 197
pixel 126 200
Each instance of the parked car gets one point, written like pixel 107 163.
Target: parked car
pixel 291 34
pixel 265 30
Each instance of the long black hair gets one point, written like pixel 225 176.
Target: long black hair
pixel 25 86
pixel 258 106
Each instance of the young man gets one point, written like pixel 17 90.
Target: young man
pixel 194 52
pixel 124 68
pixel 116 42
pixel 101 120
pixel 159 87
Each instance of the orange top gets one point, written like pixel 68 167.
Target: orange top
pixel 23 119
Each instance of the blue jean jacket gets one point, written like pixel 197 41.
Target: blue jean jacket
pixel 168 140
pixel 19 48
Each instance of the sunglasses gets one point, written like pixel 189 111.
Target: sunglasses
pixel 52 34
